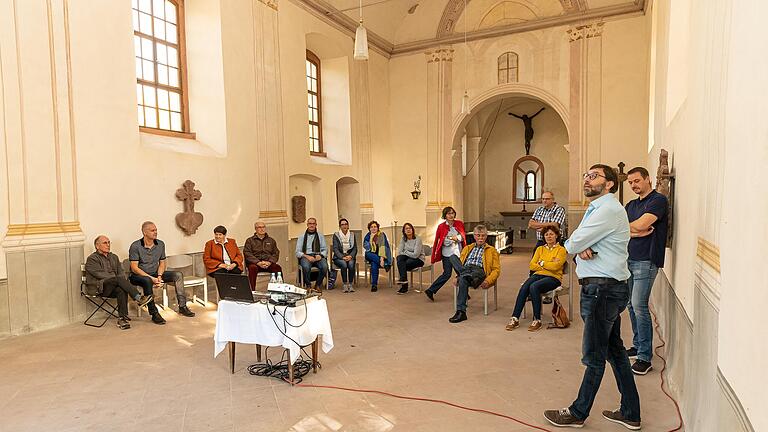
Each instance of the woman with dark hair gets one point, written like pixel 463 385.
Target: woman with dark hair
pixel 547 264
pixel 377 252
pixel 449 240
pixel 410 255
pixel 221 255
pixel 344 253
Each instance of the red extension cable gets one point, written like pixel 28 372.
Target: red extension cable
pixel 661 374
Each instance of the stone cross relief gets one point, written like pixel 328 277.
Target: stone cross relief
pixel 190 220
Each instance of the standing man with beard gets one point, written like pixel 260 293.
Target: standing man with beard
pixel 601 244
pixel 648 228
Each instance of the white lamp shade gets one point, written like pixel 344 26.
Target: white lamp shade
pixel 361 43
pixel 465 103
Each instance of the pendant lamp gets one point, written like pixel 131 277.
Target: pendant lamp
pixel 361 39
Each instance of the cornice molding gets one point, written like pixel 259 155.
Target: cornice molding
pixel 441 54
pixel 585 31
pixel 272 4
pixel 338 20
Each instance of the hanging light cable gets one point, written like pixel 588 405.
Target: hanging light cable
pixel 361 39
pixel 465 99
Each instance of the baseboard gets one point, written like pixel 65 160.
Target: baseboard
pixel 732 413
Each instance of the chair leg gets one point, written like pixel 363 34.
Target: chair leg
pixel 495 297
pixel 485 301
pixel 100 306
pixel 455 294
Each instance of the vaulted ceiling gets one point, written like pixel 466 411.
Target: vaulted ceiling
pixel 399 26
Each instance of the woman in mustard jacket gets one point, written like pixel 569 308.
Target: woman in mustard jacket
pixel 547 264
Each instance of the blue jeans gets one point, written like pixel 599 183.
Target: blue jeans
pixel 640 284
pixel 449 263
pixel 374 260
pixel 534 287
pixel 346 268
pixel 306 271
pixel 601 307
pixel 168 276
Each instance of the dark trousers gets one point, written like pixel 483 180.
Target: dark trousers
pixel 449 263
pixel 169 276
pixel 121 289
pixel 254 270
pixel 534 287
pixel 470 276
pixel 306 271
pixel 601 307
pixel 346 268
pixel 406 264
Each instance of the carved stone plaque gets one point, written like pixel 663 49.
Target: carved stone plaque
pixel 299 208
pixel 190 220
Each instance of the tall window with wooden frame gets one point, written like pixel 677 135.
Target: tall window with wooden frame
pixel 507 67
pixel 161 82
pixel 314 105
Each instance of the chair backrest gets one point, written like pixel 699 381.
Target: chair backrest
pixel 82 273
pixel 179 261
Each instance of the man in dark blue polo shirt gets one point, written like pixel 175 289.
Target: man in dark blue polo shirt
pixel 647 216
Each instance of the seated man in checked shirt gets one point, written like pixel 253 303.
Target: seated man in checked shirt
pixel 481 268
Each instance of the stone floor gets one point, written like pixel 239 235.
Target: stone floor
pixel 164 378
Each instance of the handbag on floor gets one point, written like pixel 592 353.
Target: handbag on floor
pixel 559 315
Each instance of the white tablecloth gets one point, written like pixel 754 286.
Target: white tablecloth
pixel 253 324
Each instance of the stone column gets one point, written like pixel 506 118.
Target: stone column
pixel 272 188
pixel 438 188
pixel 43 243
pixel 585 111
pixel 473 206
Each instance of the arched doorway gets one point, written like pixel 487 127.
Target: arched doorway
pixel 490 144
pixel 348 201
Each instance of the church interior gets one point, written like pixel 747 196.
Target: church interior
pixel 195 114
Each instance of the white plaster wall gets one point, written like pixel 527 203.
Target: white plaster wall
pixel 746 133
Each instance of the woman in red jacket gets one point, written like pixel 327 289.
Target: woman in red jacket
pixel 449 240
pixel 221 255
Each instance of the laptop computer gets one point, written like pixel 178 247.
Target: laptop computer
pixel 233 287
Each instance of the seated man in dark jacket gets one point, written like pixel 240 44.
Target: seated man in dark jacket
pixel 104 277
pixel 261 253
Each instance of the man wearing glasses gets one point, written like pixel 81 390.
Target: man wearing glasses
pixel 311 250
pixel 601 242
pixel 549 214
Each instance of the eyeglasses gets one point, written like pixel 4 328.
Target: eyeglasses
pixel 592 176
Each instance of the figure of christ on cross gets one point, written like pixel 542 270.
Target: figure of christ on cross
pixel 528 122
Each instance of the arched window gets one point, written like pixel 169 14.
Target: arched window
pixel 314 102
pixel 527 180
pixel 161 83
pixel 507 68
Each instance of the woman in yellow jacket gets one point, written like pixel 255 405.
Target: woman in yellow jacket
pixel 547 264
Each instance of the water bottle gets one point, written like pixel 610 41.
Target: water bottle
pixel 273 280
pixel 280 277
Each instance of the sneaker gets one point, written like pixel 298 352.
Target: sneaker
pixel 403 289
pixel 641 367
pixel 563 418
pixel 374 288
pixel 157 318
pixel 123 324
pixel 513 323
pixel 617 417
pixel 430 295
pixel 351 288
pixel 186 312
pixel 632 353
pixel 535 325
pixel 143 300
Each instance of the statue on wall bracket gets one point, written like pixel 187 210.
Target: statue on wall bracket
pixel 528 122
pixel 665 185
pixel 190 220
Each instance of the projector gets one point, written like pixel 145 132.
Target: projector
pixel 285 288
pixel 283 294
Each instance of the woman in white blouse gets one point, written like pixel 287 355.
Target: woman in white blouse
pixel 344 253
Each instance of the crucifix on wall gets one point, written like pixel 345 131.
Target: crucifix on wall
pixel 528 122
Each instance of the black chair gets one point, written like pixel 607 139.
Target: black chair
pixel 102 303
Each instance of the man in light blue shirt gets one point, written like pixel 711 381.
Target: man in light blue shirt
pixel 600 243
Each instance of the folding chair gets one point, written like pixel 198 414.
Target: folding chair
pixel 485 297
pixel 101 303
pixel 427 265
pixel 183 262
